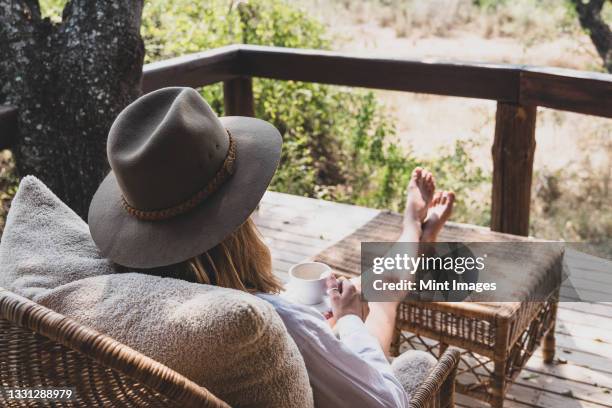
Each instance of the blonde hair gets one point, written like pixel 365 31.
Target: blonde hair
pixel 241 261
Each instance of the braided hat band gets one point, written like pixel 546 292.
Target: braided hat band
pixel 224 173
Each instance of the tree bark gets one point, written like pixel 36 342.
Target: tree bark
pixel 69 82
pixel 589 14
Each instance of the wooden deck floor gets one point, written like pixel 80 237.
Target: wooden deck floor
pixel 297 228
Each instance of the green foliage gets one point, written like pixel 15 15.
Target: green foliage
pixel 489 4
pixel 339 143
pixel 573 203
pixel 8 184
pixel 52 9
pixel 455 170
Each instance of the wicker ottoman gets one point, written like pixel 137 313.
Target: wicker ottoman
pixel 496 339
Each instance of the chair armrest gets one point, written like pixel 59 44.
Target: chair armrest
pixel 438 389
pixel 17 311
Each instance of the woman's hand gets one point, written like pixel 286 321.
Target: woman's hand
pixel 344 297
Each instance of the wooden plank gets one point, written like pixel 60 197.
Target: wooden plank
pixel 585 326
pixel 539 398
pixel 194 70
pixel 316 219
pixel 290 246
pixel 569 371
pixel 513 152
pixel 8 126
pixel 238 97
pixel 588 309
pixel 587 266
pixel 290 201
pixel 587 290
pixel 561 387
pixel 564 89
pixel 312 244
pixel 471 80
pixel 598 349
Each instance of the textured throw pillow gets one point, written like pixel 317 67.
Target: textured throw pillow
pixel 231 342
pixel 45 244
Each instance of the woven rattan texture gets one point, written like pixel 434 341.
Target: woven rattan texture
pixel 41 348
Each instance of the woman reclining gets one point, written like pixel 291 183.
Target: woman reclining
pixel 178 203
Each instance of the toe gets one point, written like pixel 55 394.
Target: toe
pixel 417 173
pixel 451 197
pixel 426 179
pixel 436 198
pixel 429 178
pixel 444 198
pixel 430 188
pixel 423 178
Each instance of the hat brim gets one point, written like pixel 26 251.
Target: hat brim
pixel 134 243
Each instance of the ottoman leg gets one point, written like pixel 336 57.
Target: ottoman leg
pixel 548 346
pixel 498 385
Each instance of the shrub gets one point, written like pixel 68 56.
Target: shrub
pixel 339 143
pixel 8 185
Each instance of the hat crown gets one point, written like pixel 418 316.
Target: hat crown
pixel 165 147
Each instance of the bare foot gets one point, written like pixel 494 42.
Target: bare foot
pixel 439 211
pixel 420 194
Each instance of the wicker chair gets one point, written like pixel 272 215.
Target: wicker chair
pixel 41 348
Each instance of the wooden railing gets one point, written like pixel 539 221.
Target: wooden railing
pixel 518 90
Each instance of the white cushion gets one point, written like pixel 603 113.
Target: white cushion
pixel 45 244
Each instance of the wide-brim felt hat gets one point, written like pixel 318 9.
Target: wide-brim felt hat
pixel 182 179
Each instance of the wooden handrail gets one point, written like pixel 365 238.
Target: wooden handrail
pixel 576 91
pixel 563 89
pixel 194 70
pixel 518 89
pixel 471 80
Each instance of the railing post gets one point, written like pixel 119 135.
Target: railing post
pixel 238 97
pixel 513 151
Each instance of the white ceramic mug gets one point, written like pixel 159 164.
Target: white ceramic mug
pixel 308 281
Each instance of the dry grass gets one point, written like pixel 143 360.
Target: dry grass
pixel 530 20
pixel 571 189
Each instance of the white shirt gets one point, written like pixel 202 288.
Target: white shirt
pixel 350 370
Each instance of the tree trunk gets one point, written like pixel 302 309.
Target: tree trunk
pixel 69 82
pixel 589 14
